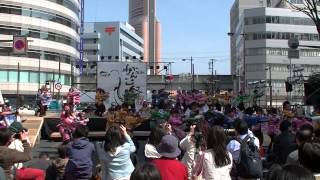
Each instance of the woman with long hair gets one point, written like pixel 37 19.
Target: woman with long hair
pixel 118 147
pixel 216 161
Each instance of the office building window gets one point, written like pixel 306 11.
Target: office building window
pixel 24 77
pixel 3 76
pixel 13 76
pixel 34 77
pixel 278 20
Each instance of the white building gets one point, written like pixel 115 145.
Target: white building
pixel 108 41
pixel 264 32
pixel 112 41
pixel 52 29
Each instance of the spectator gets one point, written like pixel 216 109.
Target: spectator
pixel 284 144
pixel 216 160
pixel 273 126
pixel 291 172
pixel 118 147
pixel 147 171
pixel 155 137
pixel 194 142
pixel 10 156
pixel 168 166
pixel 309 156
pixel 303 135
pixel 43 162
pixel 57 167
pixel 79 151
pixel 241 131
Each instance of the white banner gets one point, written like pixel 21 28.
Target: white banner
pixel 116 77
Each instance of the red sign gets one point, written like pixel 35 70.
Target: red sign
pixel 20 45
pixel 110 30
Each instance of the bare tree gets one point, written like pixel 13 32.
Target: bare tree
pixel 310 8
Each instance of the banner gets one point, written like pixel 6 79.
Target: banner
pixel 116 77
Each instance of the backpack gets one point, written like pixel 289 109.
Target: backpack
pixel 249 164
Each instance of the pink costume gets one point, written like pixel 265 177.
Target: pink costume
pixel 175 120
pixel 298 122
pixel 66 126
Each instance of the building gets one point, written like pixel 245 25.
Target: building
pixel 108 41
pixel 52 30
pixel 142 16
pixel 111 41
pixel 263 31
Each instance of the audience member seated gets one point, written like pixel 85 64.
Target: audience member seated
pixel 8 157
pixel 57 168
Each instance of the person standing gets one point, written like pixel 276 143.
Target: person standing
pixel 79 151
pixel 168 165
pixel 118 147
pixel 216 161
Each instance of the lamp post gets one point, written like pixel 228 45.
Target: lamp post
pixel 192 71
pixel 242 88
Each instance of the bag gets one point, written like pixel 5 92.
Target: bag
pixel 249 164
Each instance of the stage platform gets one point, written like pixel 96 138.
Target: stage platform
pixel 34 125
pixel 96 125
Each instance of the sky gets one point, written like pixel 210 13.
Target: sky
pixel 196 28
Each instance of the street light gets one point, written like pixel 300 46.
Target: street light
pixel 192 71
pixel 242 88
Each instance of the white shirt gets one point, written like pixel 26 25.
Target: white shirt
pixel 234 146
pixel 17 145
pixel 211 172
pixel 150 151
pixel 189 148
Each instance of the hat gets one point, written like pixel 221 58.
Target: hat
pixel 16 127
pixel 169 147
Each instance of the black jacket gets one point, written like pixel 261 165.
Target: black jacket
pixel 284 144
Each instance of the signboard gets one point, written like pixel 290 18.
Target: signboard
pixel 58 86
pixel 293 43
pixel 20 45
pixel 116 77
pixel 293 54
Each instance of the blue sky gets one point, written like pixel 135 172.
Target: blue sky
pixel 195 28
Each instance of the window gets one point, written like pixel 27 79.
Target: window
pixel 3 76
pixel 24 77
pixel 34 77
pixel 13 76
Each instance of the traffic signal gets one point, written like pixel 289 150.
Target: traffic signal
pixel 288 87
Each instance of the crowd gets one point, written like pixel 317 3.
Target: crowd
pixel 194 137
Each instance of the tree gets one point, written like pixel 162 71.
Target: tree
pixel 309 8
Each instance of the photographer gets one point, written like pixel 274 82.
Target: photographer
pixel 194 142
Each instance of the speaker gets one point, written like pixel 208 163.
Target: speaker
pixel 311 94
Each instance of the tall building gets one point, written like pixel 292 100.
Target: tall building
pixel 111 41
pixel 262 31
pixel 52 30
pixel 142 16
pixel 108 41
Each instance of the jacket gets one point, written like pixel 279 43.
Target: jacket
pixel 171 169
pixel 118 163
pixel 283 145
pixel 189 149
pixel 10 156
pixel 80 163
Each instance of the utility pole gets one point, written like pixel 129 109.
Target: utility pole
pixel 192 73
pixel 211 63
pixel 270 85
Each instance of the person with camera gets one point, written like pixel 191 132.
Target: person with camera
pixel 8 157
pixel 194 143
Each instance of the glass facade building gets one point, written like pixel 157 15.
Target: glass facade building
pixel 52 31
